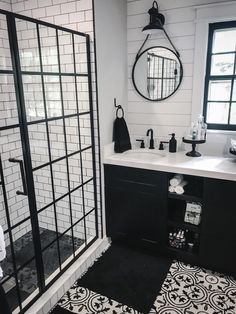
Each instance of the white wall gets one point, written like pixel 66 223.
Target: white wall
pixel 111 51
pixel 110 30
pixel 5 5
pixel 173 114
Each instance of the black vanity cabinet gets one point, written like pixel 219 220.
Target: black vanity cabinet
pixel 218 230
pixel 136 205
pixel 140 210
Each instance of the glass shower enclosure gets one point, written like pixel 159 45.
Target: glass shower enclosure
pixel 48 203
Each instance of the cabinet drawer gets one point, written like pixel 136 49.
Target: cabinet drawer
pixel 139 179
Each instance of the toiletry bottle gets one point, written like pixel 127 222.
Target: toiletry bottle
pixel 172 144
pixel 203 131
pixel 199 126
pixel 194 132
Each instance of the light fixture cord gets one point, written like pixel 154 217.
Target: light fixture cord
pixel 176 51
pixel 155 3
pixel 142 46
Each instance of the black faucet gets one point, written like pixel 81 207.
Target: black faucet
pixel 151 139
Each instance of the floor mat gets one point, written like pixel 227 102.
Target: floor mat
pixel 185 290
pixel 127 276
pixel 193 290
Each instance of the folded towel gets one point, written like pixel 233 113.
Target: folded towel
pixel 176 180
pixel 2 249
pixel 179 189
pixel 171 189
pixel 121 136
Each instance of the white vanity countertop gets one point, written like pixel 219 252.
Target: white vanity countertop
pixel 205 166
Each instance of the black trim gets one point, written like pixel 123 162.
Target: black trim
pixel 98 123
pixel 32 20
pixel 209 77
pixel 13 42
pixel 53 73
pixel 92 131
pixel 18 74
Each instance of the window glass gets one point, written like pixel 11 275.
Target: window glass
pixel 224 40
pixel 220 91
pixel 234 92
pixel 217 112
pixel 222 64
pixel 233 113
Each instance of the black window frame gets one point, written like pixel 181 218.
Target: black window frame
pixel 209 77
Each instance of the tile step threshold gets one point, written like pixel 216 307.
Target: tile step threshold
pixel 50 298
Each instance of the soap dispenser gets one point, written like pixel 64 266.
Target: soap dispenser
pixel 172 143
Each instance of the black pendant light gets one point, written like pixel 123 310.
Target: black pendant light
pixel 157 20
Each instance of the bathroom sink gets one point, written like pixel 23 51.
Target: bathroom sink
pixel 144 154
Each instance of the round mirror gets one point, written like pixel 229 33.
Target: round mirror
pixel 157 73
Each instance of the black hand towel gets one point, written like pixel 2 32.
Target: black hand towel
pixel 121 136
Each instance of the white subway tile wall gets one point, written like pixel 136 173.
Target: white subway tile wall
pixel 173 114
pixel 76 15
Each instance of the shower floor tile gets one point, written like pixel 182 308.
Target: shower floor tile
pixel 24 252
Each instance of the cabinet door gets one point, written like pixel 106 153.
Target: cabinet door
pixel 136 215
pixel 135 203
pixel 218 236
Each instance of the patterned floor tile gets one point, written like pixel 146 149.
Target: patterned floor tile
pixel 193 290
pixel 84 301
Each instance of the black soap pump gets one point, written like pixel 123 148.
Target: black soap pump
pixel 172 143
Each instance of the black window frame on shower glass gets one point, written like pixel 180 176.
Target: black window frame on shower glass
pixel 208 78
pixel 24 125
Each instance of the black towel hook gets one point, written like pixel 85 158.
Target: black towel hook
pixel 118 108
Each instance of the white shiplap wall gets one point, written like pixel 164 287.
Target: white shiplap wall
pixel 173 114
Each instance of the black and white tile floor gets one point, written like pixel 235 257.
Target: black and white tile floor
pixel 186 290
pixel 189 290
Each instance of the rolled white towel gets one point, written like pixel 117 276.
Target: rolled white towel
pixel 171 189
pixel 176 180
pixel 179 189
pixel 2 249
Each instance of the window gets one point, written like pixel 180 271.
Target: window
pixel 220 83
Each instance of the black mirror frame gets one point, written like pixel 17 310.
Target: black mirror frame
pixel 136 60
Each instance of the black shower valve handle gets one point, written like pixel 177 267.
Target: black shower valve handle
pixel 142 145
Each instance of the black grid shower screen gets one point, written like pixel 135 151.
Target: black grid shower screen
pixel 48 197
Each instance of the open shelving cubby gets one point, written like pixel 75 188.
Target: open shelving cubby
pixel 177 204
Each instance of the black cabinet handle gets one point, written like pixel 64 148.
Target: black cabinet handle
pixel 20 162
